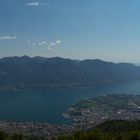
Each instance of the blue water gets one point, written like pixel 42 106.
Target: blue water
pixel 48 106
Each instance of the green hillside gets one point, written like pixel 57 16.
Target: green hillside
pixel 110 130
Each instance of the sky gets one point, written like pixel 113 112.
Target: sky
pixel 77 29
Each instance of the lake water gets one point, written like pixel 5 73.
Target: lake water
pixel 48 106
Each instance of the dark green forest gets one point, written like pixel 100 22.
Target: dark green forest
pixel 110 130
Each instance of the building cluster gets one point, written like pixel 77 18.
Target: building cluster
pixel 36 129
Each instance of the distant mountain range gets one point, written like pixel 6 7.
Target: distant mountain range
pixel 39 73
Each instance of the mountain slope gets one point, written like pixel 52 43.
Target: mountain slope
pixel 111 130
pixel 43 73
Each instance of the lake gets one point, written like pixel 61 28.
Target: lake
pixel 48 106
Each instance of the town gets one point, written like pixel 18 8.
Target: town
pixel 86 114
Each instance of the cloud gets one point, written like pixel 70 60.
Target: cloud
pixel 36 4
pixel 54 44
pixel 32 4
pixel 29 41
pixel 58 41
pixel 34 45
pixel 8 37
pixel 37 43
pixel 42 43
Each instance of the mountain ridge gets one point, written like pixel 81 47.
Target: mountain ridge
pixel 40 73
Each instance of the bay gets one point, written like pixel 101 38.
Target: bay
pixel 48 106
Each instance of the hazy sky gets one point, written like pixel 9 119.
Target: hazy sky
pixel 78 29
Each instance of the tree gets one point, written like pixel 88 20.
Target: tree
pixel 3 136
pixel 17 137
pixel 134 137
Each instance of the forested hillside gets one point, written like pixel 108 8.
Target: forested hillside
pixel 110 130
pixel 38 73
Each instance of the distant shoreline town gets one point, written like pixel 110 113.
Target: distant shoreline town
pixel 86 114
